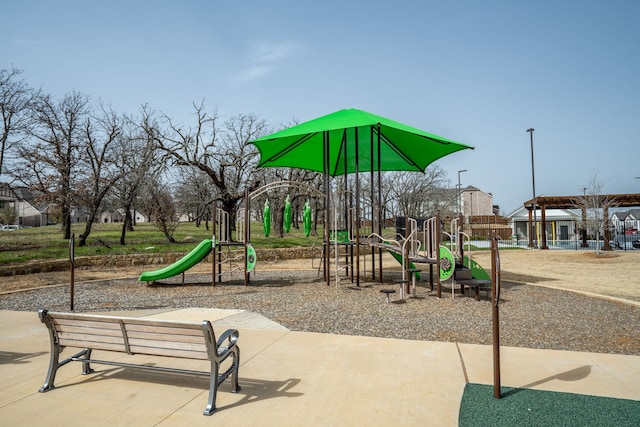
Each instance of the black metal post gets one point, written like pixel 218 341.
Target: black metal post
pixel 533 183
pixel 72 265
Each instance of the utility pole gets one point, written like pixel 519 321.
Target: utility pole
pixel 533 183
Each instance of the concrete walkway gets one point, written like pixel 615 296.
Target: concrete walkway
pixel 287 378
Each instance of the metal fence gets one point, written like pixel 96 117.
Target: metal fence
pixel 575 245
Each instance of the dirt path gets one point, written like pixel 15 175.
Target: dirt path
pixel 615 274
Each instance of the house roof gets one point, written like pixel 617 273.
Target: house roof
pixel 633 214
pixel 471 188
pixel 6 192
pixel 24 193
pixel 522 214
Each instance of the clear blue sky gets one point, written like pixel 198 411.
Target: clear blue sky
pixel 479 72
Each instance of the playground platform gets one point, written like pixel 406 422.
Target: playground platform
pixel 288 378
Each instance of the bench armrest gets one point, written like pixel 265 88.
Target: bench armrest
pixel 231 337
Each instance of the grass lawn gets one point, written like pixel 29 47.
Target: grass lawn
pixel 47 243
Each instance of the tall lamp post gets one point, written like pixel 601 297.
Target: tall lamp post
pixel 460 192
pixel 533 183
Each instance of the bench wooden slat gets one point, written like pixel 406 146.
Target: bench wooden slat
pixel 162 323
pixel 77 343
pixel 126 320
pixel 167 344
pixel 63 323
pixel 156 351
pixel 90 337
pixel 165 337
pixel 173 329
pixel 93 331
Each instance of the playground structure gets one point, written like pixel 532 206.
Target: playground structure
pixel 354 248
pixel 467 272
pixel 346 144
pixel 238 253
pixel 232 249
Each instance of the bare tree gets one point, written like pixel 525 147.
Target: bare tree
pixel 98 169
pixel 158 202
pixel 595 208
pixel 223 153
pixel 194 195
pixel 48 161
pixel 418 195
pixel 138 162
pixel 15 99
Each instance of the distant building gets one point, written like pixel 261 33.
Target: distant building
pixel 482 218
pixel 28 209
pixel 476 202
pixel 29 212
pixel 117 215
pixel 561 224
pixel 628 220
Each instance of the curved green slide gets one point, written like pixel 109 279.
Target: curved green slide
pixel 183 264
pixel 477 272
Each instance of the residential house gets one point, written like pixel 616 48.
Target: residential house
pixel 28 209
pixel 626 221
pixel 561 224
pixel 29 212
pixel 117 215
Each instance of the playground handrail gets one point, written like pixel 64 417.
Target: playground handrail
pixel 466 238
pixel 430 238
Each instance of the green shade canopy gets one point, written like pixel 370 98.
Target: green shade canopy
pixel 347 141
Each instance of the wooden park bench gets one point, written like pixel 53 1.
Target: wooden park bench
pixel 141 336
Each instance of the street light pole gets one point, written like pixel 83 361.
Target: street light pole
pixel 460 192
pixel 533 183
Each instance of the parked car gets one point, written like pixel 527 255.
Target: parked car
pixel 11 227
pixel 625 242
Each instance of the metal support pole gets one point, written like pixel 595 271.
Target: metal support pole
pixel 72 265
pixel 495 315
pixel 533 184
pixel 247 235
pixel 214 224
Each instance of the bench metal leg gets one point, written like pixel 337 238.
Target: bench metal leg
pixel 213 389
pixel 55 364
pixel 86 366
pixel 235 387
pixel 53 368
pixel 216 379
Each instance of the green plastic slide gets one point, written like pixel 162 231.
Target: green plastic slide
pixel 477 272
pixel 183 264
